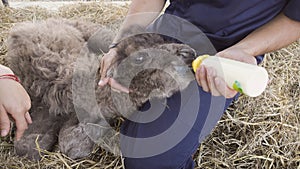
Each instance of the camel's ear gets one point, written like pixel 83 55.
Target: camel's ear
pixel 131 31
pixel 99 42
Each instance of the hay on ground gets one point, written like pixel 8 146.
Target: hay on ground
pixel 261 132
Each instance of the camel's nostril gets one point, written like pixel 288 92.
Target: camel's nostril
pixel 187 53
pixel 194 53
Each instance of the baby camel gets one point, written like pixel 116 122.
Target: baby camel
pixel 58 63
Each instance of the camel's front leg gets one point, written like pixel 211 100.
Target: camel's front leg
pixel 40 135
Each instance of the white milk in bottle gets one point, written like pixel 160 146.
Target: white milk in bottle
pixel 242 77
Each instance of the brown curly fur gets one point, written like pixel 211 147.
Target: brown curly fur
pixel 58 63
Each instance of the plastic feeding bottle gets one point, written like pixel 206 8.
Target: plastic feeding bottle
pixel 245 78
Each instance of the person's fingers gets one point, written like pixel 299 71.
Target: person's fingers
pixel 103 68
pixel 103 82
pixel 107 60
pixel 4 122
pixel 28 118
pixel 207 78
pixel 221 85
pixel 115 85
pixel 21 127
pixel 21 124
pixel 224 89
pixel 197 73
pixel 211 74
pixel 203 78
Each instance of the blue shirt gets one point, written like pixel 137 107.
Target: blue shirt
pixel 225 22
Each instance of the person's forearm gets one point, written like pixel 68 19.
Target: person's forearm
pixel 278 33
pixel 141 12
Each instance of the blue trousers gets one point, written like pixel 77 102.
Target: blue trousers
pixel 170 140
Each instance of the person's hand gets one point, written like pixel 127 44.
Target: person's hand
pixel 15 103
pixel 210 82
pixel 106 62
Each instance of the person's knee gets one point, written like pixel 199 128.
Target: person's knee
pixel 138 163
pixel 157 163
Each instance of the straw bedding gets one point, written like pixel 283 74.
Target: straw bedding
pixel 261 132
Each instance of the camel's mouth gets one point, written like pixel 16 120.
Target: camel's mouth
pixel 182 70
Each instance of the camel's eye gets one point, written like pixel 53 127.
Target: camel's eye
pixel 140 58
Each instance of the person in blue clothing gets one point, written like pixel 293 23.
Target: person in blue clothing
pixel 239 30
